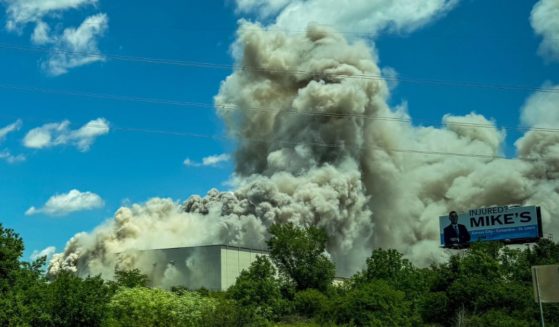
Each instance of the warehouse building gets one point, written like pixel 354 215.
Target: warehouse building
pixel 215 267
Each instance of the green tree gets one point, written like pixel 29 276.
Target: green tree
pixel 26 302
pixel 22 286
pixel 390 266
pixel 131 278
pixel 400 273
pixel 495 318
pixel 371 304
pixel 545 252
pixel 386 264
pixel 227 312
pixel 310 302
pixel 299 255
pixel 485 281
pixel 78 302
pixel 11 250
pixel 258 289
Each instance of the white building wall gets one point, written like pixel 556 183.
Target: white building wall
pixel 215 267
pixel 233 261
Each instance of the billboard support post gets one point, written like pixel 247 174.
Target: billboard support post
pixel 538 294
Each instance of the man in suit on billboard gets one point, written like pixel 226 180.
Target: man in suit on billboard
pixel 455 235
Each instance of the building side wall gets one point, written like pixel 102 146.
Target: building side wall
pixel 215 267
pixel 193 267
pixel 233 261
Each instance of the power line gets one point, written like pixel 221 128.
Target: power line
pixel 321 144
pixel 255 109
pixel 100 55
pixel 209 65
pixel 114 127
pixel 289 31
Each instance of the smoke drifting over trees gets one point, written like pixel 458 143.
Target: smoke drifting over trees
pixel 318 145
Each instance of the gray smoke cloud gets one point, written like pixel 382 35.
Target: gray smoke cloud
pixel 318 145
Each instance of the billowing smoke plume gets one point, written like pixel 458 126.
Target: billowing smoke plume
pixel 318 145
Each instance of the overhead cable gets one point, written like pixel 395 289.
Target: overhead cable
pixel 180 103
pixel 365 76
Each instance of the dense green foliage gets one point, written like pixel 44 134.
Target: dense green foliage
pixel 131 278
pixel 299 255
pixel 487 285
pixel 258 289
pixel 22 303
pixel 11 249
pixel 142 306
pixel 374 303
pixel 77 302
pixel 310 302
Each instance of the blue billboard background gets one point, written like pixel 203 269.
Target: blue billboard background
pixel 497 234
pixel 508 224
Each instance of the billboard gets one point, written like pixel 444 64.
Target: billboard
pixel 507 224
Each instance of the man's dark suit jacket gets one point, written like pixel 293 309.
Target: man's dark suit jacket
pixel 450 236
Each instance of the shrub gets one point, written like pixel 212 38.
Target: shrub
pixel 155 307
pixel 310 302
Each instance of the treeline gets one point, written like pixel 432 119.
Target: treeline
pixel 486 285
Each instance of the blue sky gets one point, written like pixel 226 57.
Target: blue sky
pixel 488 42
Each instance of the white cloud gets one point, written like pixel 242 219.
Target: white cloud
pixel 264 8
pixel 63 204
pixel 5 154
pixel 85 136
pixel 46 252
pixel 372 17
pixel 188 162
pixel 54 134
pixel 208 161
pixel 391 76
pixel 10 128
pixel 75 46
pixel 10 158
pixel 21 12
pixel 540 109
pixel 545 22
pixel 42 137
pixel 216 159
pixel 41 33
pixel 70 48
